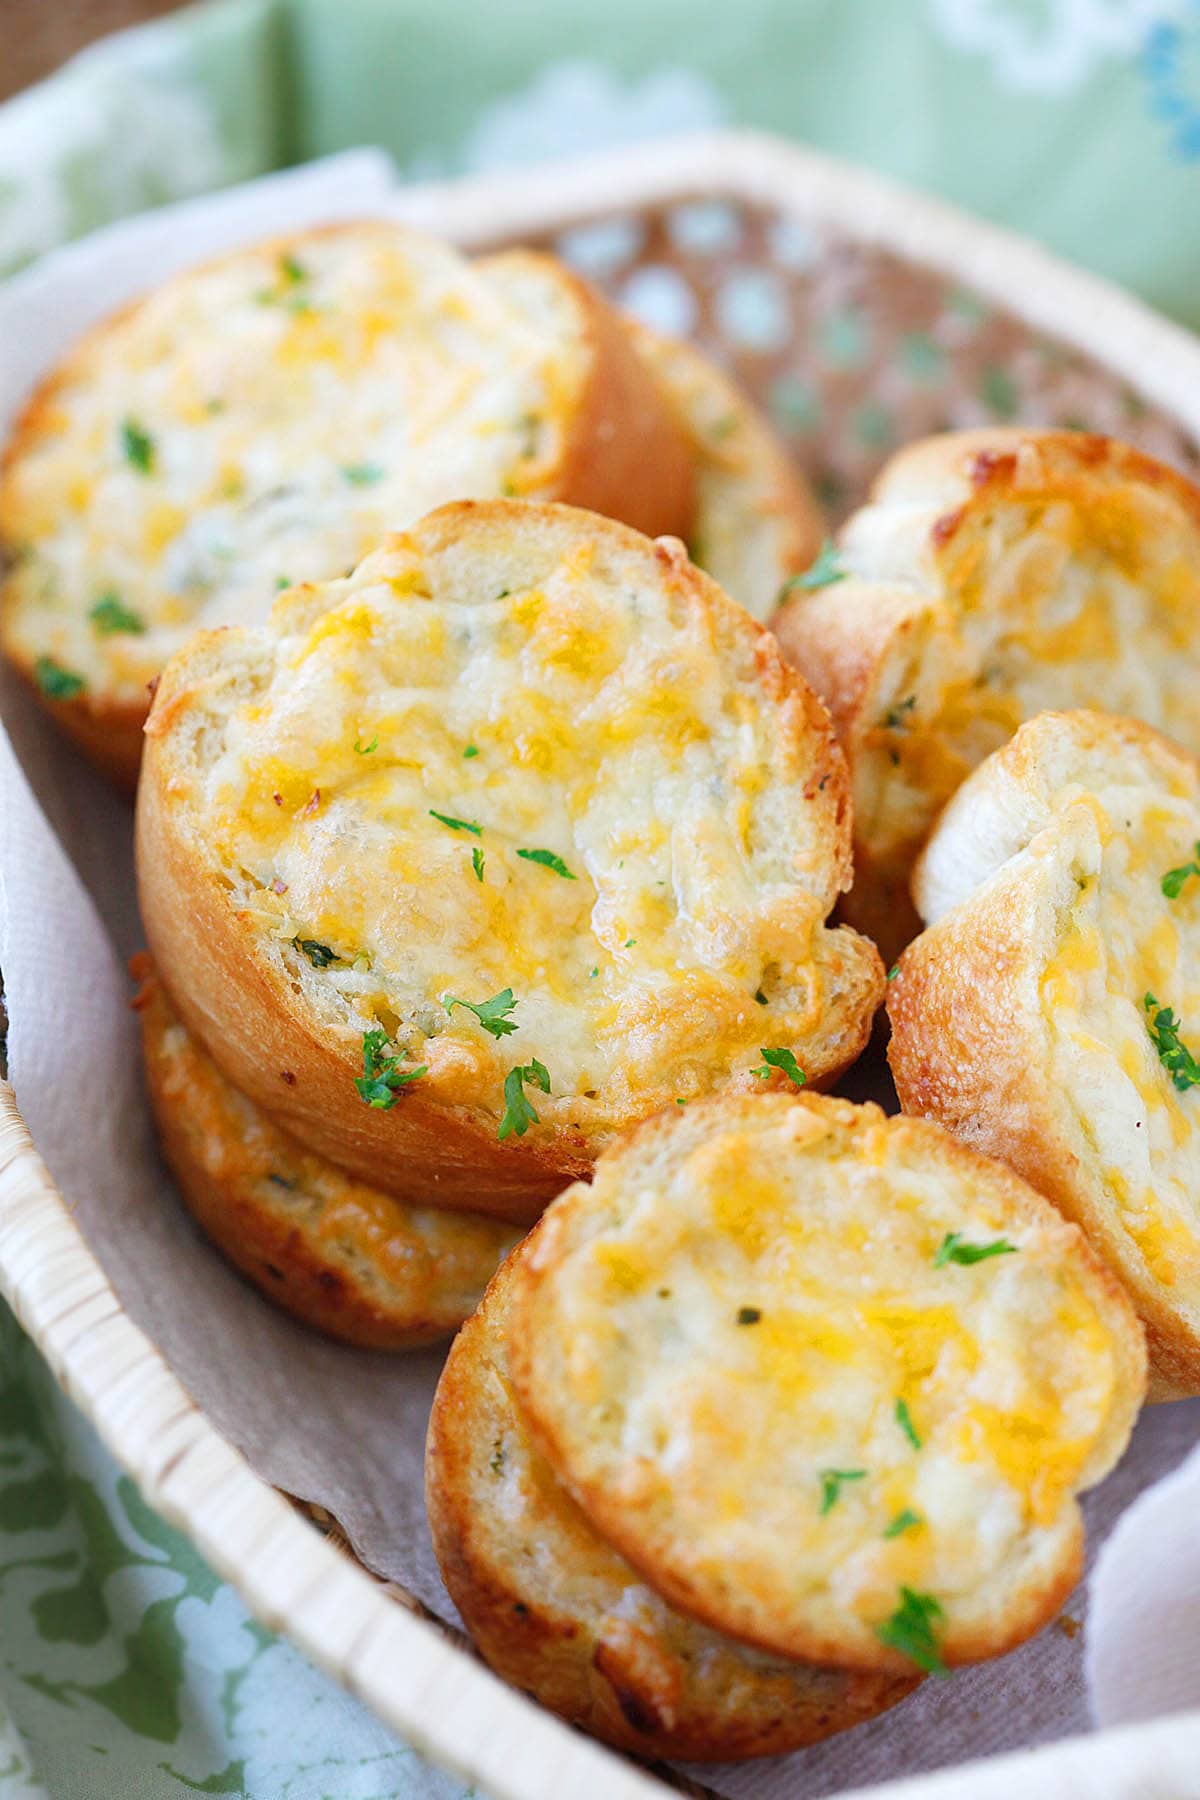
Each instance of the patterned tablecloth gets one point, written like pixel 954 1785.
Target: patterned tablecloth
pixel 127 1670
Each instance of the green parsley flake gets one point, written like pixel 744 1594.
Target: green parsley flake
pixel 519 1115
pixel 138 446
pixel 109 616
pixel 894 718
pixel 784 1060
pixel 366 749
pixel 893 971
pixel 1174 880
pixel 822 573
pixel 292 270
pixel 908 1520
pixel 831 1485
pixel 477 862
pixel 910 1630
pixel 457 824
pixel 1173 1053
pixel 319 955
pixel 362 474
pixel 953 1249
pixel 281 582
pixel 470 751
pixel 904 1421
pixel 748 1315
pixel 56 682
pixel 548 860
pixel 760 996
pixel 492 1014
pixel 382 1075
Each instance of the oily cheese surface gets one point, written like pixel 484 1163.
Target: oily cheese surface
pixel 350 1260
pixel 995 574
pixel 563 1617
pixel 265 418
pixel 1068 859
pixel 522 752
pixel 764 1355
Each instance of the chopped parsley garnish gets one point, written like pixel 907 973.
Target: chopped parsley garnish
pixel 831 1485
pixel 138 446
pixel 457 824
pixel 760 996
pixel 56 682
pixel 910 1630
pixel 1174 880
pixel 291 269
pixel 903 1521
pixel 904 1421
pixel 492 1014
pixel 781 1059
pixel 548 860
pixel 470 751
pixel 823 572
pixel 281 582
pixel 366 749
pixel 953 1249
pixel 748 1315
pixel 477 862
pixel 1173 1053
pixel 109 616
pixel 893 971
pixel 382 1075
pixel 319 955
pixel 894 717
pixel 519 1115
pixel 362 474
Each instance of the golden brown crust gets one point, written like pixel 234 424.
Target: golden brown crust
pixel 257 1024
pixel 343 1257
pixel 969 1044
pixel 682 1474
pixel 625 456
pixel 927 669
pixel 559 1614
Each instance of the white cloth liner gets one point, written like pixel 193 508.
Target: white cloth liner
pixel 343 1427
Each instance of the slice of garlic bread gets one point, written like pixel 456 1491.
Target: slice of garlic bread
pixel 992 575
pixel 1050 1013
pixel 355 1263
pixel 517 835
pixel 265 418
pixel 756 522
pixel 829 1380
pixel 558 1613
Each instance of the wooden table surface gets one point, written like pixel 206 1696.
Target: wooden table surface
pixel 37 35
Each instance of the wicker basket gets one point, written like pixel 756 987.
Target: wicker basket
pixel 764 252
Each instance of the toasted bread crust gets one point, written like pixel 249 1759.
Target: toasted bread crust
pixel 1008 867
pixel 559 1614
pixel 343 1257
pixel 937 644
pixel 442 1148
pixel 678 1452
pixel 621 452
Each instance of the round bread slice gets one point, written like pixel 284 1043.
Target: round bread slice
pixel 1050 1014
pixel 830 1381
pixel 558 1613
pixel 519 834
pixel 265 418
pixel 993 574
pixel 355 1263
pixel 756 522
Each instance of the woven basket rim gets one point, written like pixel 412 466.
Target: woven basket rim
pixel 406 1669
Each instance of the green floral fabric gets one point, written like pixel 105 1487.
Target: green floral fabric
pixel 126 1668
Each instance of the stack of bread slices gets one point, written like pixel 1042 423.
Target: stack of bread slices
pixel 497 861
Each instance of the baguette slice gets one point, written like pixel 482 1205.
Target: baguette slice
pixel 526 804
pixel 993 574
pixel 829 1381
pixel 1021 1016
pixel 559 1614
pixel 265 418
pixel 756 522
pixel 355 1263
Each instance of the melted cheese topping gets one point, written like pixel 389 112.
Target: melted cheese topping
pixel 723 1330
pixel 297 401
pixel 1119 938
pixel 1084 593
pixel 579 711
